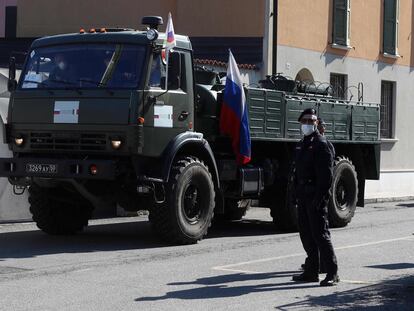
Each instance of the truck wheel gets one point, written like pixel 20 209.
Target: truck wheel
pixel 56 211
pixel 234 210
pixel 186 214
pixel 284 210
pixel 344 189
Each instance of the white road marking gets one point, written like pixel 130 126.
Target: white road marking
pixel 236 270
pixel 357 282
pixel 373 283
pixel 258 261
pixel 81 270
pixel 229 267
pixel 375 243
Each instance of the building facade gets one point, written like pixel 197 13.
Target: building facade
pixel 339 42
pixel 346 42
pixel 213 26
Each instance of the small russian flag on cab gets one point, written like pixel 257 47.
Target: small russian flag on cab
pixel 170 39
pixel 234 120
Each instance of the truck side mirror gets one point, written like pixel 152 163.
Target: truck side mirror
pixel 12 83
pixel 174 71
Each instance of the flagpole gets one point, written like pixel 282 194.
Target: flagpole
pixel 167 57
pixel 169 44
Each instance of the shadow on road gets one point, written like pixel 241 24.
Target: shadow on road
pixel 244 227
pixel 406 204
pixel 236 277
pixel 217 286
pixel 107 237
pixel 394 266
pixel 111 237
pixel 395 294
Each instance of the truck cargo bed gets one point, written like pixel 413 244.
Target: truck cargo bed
pixel 273 116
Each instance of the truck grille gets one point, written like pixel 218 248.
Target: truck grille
pixel 65 141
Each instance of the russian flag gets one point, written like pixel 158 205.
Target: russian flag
pixel 170 39
pixel 234 120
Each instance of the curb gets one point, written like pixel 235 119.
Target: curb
pixel 392 199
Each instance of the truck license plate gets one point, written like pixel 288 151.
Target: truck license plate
pixel 41 168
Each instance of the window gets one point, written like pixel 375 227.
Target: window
pixel 176 77
pixel 341 27
pixel 75 66
pixel 11 21
pixel 386 110
pixel 339 83
pixel 390 31
pixel 157 75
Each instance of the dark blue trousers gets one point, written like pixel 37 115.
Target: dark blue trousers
pixel 315 236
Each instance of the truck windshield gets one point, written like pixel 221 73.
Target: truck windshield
pixel 84 66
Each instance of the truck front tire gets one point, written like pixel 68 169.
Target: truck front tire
pixel 57 211
pixel 342 203
pixel 186 214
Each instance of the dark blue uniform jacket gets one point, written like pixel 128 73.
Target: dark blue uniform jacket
pixel 313 175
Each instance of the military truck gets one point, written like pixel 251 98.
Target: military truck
pixel 92 120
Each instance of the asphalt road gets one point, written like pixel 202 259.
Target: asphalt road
pixel 117 264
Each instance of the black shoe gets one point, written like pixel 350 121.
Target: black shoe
pixel 305 277
pixel 302 267
pixel 330 280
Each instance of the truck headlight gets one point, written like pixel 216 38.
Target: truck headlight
pixel 152 34
pixel 116 143
pixel 19 141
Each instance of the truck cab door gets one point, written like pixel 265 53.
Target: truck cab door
pixel 168 112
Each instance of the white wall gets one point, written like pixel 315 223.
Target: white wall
pixel 12 207
pixel 397 155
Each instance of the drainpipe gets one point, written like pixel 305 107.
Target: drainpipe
pixel 274 45
pixel 268 39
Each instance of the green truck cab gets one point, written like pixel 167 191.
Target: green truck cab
pixel 95 118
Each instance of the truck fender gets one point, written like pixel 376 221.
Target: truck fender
pixel 191 143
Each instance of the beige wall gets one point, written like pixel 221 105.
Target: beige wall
pixel 308 25
pixel 191 17
pixel 44 17
pixel 239 18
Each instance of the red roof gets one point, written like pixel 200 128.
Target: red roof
pixel 212 62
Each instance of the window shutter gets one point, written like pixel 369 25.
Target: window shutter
pixel 11 21
pixel 390 24
pixel 340 22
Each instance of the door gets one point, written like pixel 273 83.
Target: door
pixel 168 113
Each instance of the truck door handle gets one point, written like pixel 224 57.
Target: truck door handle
pixel 183 115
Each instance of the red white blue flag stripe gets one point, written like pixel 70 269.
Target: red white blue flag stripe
pixel 169 30
pixel 234 120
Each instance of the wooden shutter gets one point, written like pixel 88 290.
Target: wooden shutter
pixel 387 95
pixel 390 24
pixel 340 22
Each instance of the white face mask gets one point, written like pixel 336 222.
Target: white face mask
pixel 62 65
pixel 308 129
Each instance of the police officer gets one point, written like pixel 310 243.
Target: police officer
pixel 313 177
pixel 321 130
